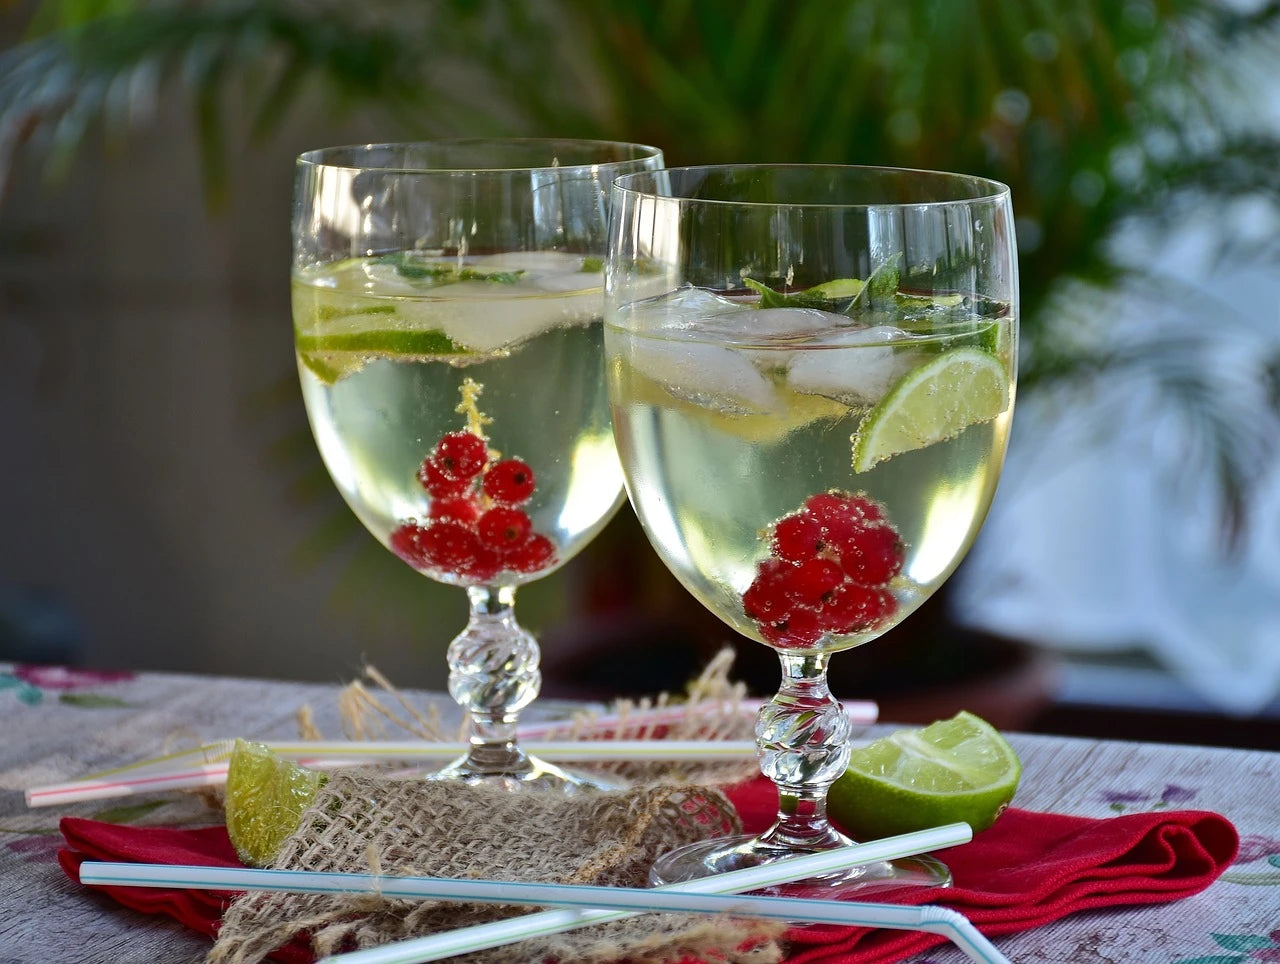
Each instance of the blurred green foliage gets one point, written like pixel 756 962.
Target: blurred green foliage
pixel 1091 110
pixel 1095 112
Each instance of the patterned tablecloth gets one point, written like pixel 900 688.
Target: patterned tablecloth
pixel 57 725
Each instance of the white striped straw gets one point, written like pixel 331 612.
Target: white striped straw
pixel 203 766
pixel 860 713
pixel 697 896
pixel 351 753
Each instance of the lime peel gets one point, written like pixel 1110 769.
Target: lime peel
pixel 935 401
pixel 959 769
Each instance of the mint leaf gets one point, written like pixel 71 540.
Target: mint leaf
pixel 592 264
pixel 770 298
pixel 883 282
pixel 497 277
pixel 409 266
pixel 838 295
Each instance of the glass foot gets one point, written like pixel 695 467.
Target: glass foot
pixel 528 773
pixel 738 853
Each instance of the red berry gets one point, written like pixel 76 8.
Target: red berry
pixel 509 482
pixel 801 627
pixel 866 508
pixel 840 509
pixel 797 538
pixel 461 455
pixel 455 508
pixel 535 553
pixel 813 581
pixel 503 527
pixel 851 608
pixel 856 609
pixel 449 546
pixel 483 565
pixel 825 506
pixel 886 605
pixel 437 482
pixel 406 542
pixel 766 599
pixel 872 556
pixel 841 529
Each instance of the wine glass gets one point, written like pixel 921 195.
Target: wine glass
pixel 811 369
pixel 447 299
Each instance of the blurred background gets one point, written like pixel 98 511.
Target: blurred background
pixel 163 503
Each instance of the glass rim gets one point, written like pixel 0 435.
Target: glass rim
pixel 992 190
pixel 316 158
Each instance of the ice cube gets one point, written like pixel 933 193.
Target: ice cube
pixel 770 332
pixel 704 373
pixel 534 262
pixel 543 270
pixel 488 316
pixel 776 324
pixel 485 323
pixel 855 363
pixel 683 310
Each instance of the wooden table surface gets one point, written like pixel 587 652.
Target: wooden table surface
pixel 58 725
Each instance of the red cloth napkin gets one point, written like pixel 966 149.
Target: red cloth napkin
pixel 1027 870
pixel 201 910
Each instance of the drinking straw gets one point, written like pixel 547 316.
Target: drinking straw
pixel 707 895
pixel 201 766
pixel 350 753
pixel 860 713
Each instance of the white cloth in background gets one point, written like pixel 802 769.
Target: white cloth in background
pixel 1106 535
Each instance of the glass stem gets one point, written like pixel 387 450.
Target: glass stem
pixel 803 734
pixel 493 674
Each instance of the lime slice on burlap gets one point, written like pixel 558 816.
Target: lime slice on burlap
pixel 265 797
pixel 936 400
pixel 953 770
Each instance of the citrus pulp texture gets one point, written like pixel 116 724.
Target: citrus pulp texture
pixel 265 798
pixel 953 770
pixel 934 401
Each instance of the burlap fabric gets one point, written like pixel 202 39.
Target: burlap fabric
pixel 364 822
pixel 369 822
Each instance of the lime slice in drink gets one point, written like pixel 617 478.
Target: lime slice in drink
pixel 337 353
pixel 836 289
pixel 265 798
pixel 959 769
pixel 934 401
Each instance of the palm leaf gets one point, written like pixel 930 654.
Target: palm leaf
pixel 1095 113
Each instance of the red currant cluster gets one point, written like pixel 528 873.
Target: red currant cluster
pixel 475 527
pixel 829 570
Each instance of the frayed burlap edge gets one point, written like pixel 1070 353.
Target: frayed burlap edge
pixel 711 708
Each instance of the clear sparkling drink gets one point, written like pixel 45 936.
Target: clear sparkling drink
pixel 872 446
pixel 460 405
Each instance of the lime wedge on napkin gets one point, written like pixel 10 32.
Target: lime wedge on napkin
pixel 265 797
pixel 959 769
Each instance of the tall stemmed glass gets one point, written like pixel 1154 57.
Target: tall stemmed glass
pixel 811 370
pixel 447 299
